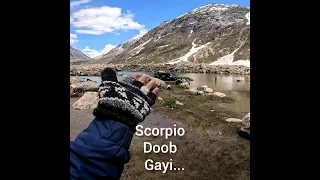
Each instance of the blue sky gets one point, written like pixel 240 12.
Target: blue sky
pixel 96 26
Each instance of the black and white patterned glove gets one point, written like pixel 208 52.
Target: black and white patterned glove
pixel 128 101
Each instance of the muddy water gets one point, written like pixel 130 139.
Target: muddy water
pixel 235 86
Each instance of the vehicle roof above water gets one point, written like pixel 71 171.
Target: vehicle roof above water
pixel 164 73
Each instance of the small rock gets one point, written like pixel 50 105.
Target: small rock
pixel 212 110
pixel 192 91
pixel 208 90
pixel 168 87
pixel 238 80
pixel 233 120
pixel 219 94
pixel 179 103
pixel 200 92
pixel 89 100
pixel 202 88
pixel 220 133
pixel 184 85
pixel 160 98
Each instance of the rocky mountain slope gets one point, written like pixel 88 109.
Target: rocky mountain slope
pixel 213 34
pixel 77 56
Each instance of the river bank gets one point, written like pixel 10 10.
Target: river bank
pixel 210 149
pixel 95 69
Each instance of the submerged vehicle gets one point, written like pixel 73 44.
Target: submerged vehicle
pixel 171 77
pixel 165 76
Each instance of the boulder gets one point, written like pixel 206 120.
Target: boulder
pixel 202 88
pixel 83 87
pixel 244 130
pixel 184 85
pixel 71 91
pixel 89 100
pixel 74 80
pixel 246 119
pixel 208 90
pixel 219 94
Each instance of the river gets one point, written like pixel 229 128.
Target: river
pixel 234 86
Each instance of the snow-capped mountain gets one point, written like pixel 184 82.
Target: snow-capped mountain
pixel 212 34
pixel 121 47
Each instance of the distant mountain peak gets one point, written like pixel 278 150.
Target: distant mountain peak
pixel 78 56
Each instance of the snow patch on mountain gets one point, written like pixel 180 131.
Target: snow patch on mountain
pixel 225 60
pixel 229 60
pixel 248 18
pixel 136 37
pixel 212 7
pixel 164 46
pixel 165 35
pixel 141 46
pixel 193 50
pixel 241 63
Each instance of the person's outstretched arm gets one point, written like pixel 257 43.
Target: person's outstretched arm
pixel 101 150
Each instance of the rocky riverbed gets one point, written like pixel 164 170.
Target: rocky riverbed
pixel 95 69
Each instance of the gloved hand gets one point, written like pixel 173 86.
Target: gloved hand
pixel 128 101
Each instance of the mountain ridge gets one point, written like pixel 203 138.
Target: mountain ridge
pixel 211 34
pixel 76 56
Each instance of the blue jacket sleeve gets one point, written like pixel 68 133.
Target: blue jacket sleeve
pixel 100 151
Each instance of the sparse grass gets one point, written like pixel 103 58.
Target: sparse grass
pixel 171 103
pixel 210 149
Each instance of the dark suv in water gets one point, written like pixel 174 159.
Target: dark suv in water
pixel 171 77
pixel 166 76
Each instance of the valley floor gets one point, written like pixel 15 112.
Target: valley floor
pixel 210 148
